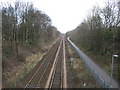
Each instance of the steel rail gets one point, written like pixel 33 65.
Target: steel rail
pixel 64 67
pixel 48 65
pixel 53 69
pixel 36 71
pixel 58 75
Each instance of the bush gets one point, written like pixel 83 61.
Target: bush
pixel 21 58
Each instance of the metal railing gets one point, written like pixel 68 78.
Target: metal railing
pixel 97 77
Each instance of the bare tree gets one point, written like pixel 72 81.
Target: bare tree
pixel 111 14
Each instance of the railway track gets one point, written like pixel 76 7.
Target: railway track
pixel 55 77
pixel 51 71
pixel 58 77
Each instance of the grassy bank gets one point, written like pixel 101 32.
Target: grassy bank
pixel 14 70
pixel 19 72
pixel 104 61
pixel 81 77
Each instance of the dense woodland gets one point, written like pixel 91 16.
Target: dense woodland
pixel 26 31
pixel 24 25
pixel 99 33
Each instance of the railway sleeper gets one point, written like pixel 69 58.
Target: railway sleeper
pixel 31 86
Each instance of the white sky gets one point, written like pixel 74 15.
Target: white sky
pixel 66 15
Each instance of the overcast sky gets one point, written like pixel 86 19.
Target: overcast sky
pixel 66 15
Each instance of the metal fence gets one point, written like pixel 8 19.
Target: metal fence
pixel 97 77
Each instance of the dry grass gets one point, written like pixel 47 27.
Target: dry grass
pixel 19 72
pixel 81 77
pixel 14 70
pixel 104 62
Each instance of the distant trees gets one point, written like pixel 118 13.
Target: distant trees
pixel 22 24
pixel 110 14
pixel 99 35
pixel 99 32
